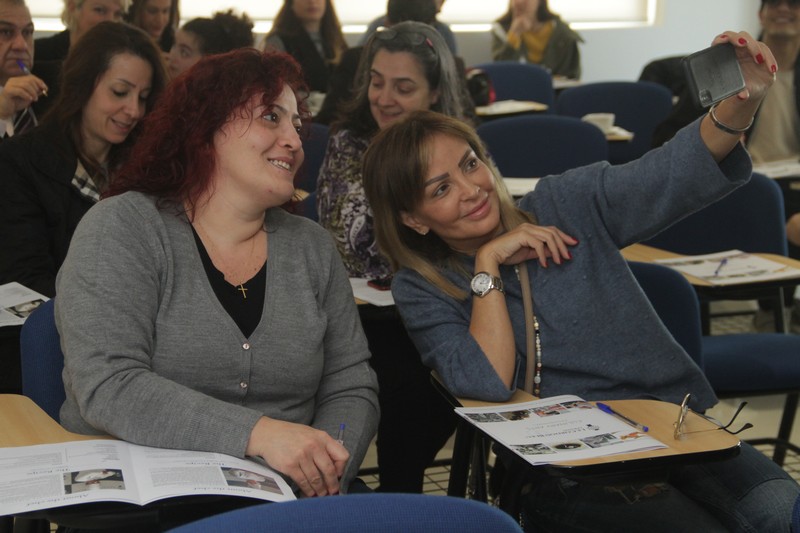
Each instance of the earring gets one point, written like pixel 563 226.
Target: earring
pixel 423 232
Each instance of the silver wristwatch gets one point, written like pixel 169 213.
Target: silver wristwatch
pixel 483 282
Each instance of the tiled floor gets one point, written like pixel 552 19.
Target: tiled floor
pixel 763 412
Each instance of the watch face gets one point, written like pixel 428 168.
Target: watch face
pixel 481 283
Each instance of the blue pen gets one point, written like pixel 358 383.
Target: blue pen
pixel 607 409
pixel 25 70
pixel 722 263
pixel 340 436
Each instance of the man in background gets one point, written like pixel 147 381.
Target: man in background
pixel 18 88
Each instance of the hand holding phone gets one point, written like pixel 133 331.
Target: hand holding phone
pixel 713 74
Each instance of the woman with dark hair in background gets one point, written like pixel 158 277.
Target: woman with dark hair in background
pixel 404 68
pixel 223 32
pixel 529 32
pixel 56 172
pixel 309 30
pixel 243 337
pixel 158 18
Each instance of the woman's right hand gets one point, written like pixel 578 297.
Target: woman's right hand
pixel 310 457
pixel 528 241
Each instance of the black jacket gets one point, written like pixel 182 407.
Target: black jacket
pixel 39 208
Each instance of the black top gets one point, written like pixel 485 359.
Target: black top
pixel 51 48
pixel 244 303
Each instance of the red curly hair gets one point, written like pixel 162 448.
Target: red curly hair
pixel 174 157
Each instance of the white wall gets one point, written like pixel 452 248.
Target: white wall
pixel 682 26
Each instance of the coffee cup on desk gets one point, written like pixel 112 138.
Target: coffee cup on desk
pixel 604 121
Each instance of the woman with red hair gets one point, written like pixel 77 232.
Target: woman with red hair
pixel 226 323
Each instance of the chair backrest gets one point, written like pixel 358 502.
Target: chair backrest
pixel 512 80
pixel 750 219
pixel 314 148
pixel 638 106
pixel 675 302
pixel 539 145
pixel 42 360
pixel 387 513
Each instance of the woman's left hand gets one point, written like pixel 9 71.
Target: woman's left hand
pixel 756 61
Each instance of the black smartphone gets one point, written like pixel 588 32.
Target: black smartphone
pixel 382 284
pixel 713 74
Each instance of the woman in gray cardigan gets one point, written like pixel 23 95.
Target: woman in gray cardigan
pixel 195 313
pixel 464 250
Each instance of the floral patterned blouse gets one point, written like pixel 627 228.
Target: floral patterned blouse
pixel 343 209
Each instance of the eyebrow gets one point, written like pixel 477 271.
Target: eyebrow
pixel 11 25
pixel 375 72
pixel 439 178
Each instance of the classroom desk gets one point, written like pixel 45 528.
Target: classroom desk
pixel 707 291
pixel 24 423
pixel 703 442
pixel 509 108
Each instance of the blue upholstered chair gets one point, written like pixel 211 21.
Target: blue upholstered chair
pixel 314 148
pixel 539 145
pixel 638 106
pixel 42 360
pixel 512 80
pixel 736 365
pixel 750 219
pixel 387 513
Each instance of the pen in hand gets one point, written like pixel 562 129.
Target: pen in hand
pixel 607 409
pixel 25 70
pixel 722 263
pixel 340 435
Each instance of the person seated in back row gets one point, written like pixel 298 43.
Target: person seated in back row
pixel 530 33
pixel 310 32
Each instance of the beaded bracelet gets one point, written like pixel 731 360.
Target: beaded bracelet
pixel 725 127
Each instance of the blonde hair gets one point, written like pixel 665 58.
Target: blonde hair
pixel 68 15
pixel 394 169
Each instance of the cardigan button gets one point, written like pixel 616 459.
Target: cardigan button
pixel 246 346
pixel 243 384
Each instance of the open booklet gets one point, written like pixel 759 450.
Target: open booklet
pixel 731 267
pixel 17 302
pixel 53 475
pixel 558 429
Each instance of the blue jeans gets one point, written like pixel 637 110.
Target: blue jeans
pixel 748 493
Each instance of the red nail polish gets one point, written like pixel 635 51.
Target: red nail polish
pixel 569 255
pixel 742 40
pixel 723 36
pixel 759 59
pixel 774 68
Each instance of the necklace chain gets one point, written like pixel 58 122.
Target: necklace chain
pixel 248 270
pixel 537 336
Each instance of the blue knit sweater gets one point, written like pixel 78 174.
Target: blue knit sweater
pixel 601 339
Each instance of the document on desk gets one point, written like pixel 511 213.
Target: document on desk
pixel 558 429
pixel 731 267
pixel 17 302
pixel 54 475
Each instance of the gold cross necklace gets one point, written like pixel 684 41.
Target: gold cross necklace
pixel 230 278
